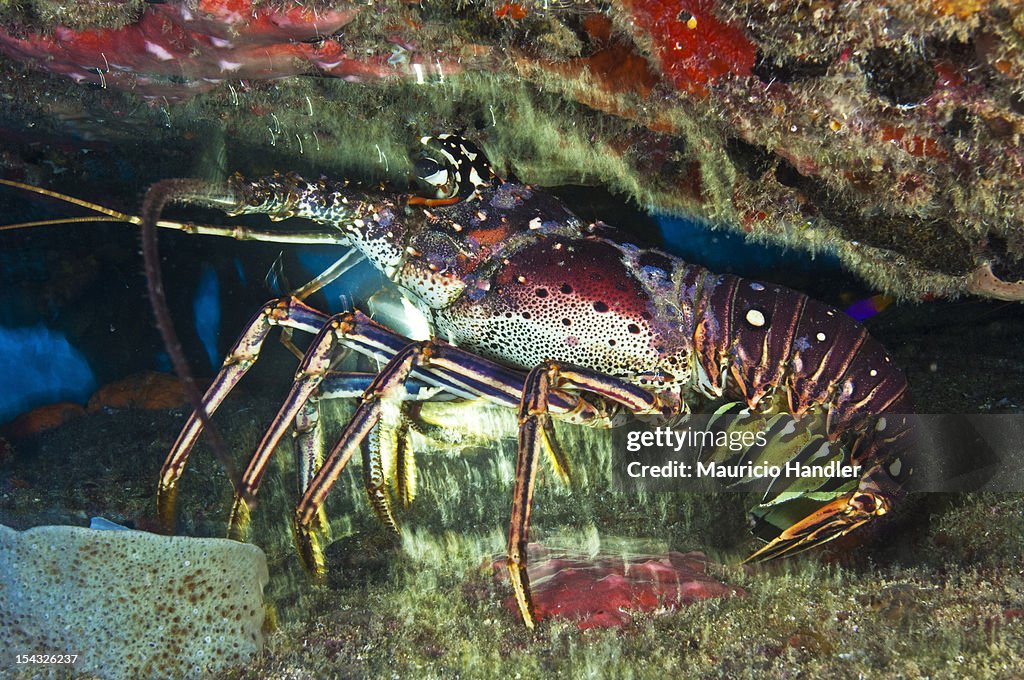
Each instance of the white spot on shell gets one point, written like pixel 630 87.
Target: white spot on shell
pixel 755 318
pixel 880 425
pixel 821 337
pixel 895 467
pixel 872 373
pixel 756 286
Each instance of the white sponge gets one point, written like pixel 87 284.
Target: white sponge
pixel 130 604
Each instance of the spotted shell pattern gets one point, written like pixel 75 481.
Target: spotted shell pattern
pixel 572 301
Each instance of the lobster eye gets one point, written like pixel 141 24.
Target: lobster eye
pixel 431 172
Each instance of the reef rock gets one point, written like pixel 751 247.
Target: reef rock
pixel 129 604
pixel 888 134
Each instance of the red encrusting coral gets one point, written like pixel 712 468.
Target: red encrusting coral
pixel 175 50
pixel 512 11
pixel 43 418
pixel 915 145
pixel 604 591
pixel 615 65
pixel 693 47
pixel 147 390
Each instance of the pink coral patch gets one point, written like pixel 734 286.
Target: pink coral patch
pixel 605 591
pixel 176 49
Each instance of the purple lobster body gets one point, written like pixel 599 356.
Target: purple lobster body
pixel 506 271
pixel 535 283
pixel 574 300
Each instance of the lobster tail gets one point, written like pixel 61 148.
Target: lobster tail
pixel 778 350
pixel 763 342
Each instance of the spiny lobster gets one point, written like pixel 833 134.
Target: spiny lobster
pixel 541 312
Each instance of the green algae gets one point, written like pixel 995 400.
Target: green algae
pixel 85 14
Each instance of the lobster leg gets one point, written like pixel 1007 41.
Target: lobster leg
pixel 385 444
pixel 311 372
pixel 391 434
pixel 387 385
pixel 288 312
pixel 309 452
pixel 535 438
pixel 463 376
pixel 349 330
pixel 829 522
pixel 435 360
pixel 387 454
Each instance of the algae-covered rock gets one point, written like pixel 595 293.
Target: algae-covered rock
pixel 888 134
pixel 130 604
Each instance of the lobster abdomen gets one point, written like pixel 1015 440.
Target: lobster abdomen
pixel 765 342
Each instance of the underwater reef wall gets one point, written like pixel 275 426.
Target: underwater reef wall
pixel 888 132
pixel 129 604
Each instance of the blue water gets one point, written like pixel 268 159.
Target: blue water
pixel 39 366
pixel 206 312
pixel 727 253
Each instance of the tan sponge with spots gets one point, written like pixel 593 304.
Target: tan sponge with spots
pixel 129 604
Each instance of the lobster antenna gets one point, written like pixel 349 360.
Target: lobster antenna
pixel 239 233
pixel 158 196
pixel 48 223
pixel 95 207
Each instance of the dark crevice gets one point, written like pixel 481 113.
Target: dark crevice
pixel 787 175
pixel 933 242
pixel 959 124
pixel 751 159
pixel 788 69
pixel 902 78
pixel 1004 265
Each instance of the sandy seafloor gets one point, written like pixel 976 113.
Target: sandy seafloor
pixel 939 595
